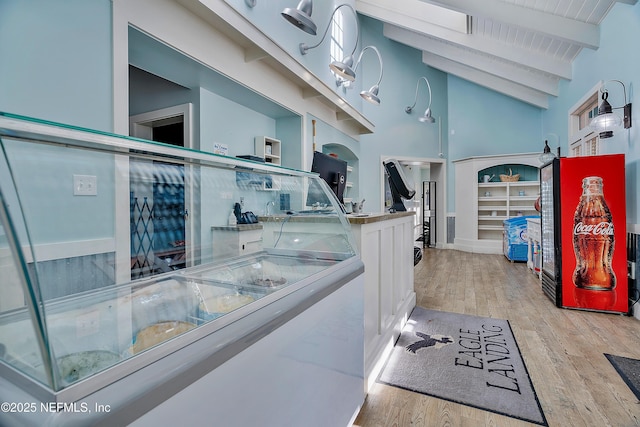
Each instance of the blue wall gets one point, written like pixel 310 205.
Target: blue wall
pixel 486 123
pixel 148 92
pixel 397 133
pixel 56 61
pixel 226 122
pixel 218 119
pixel 483 122
pixel 289 132
pixel 56 65
pixel 51 211
pixel 326 134
pixel 616 59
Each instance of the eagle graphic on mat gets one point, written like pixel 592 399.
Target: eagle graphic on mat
pixel 436 341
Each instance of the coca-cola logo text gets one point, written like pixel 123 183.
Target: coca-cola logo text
pixel 603 228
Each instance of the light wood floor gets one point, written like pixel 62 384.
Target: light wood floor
pixel 563 349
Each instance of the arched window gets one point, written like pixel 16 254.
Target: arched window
pixel 337 42
pixel 337 37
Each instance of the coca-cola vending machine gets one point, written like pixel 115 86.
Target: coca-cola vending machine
pixel 583 224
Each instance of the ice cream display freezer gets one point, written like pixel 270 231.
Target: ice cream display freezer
pixel 99 325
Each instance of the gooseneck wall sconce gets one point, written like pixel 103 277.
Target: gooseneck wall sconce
pixel 426 117
pixel 347 70
pixel 301 16
pixel 371 95
pixel 291 14
pixel 606 121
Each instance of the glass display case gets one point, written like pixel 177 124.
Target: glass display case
pixel 110 251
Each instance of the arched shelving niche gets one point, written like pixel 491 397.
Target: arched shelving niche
pixel 482 207
pixel 526 172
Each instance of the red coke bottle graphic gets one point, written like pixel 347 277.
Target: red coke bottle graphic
pixel 593 239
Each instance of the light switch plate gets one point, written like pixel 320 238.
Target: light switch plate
pixel 85 185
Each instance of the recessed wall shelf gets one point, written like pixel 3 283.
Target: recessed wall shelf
pixel 269 149
pixel 482 207
pixel 498 201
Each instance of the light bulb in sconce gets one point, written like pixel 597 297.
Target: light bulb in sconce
pixel 546 155
pixel 607 121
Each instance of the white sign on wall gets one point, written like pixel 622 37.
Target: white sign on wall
pixel 220 149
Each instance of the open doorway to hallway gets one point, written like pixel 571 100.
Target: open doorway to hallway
pixel 158 200
pixel 429 203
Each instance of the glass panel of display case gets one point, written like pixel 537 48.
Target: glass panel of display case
pixel 130 245
pixel 21 323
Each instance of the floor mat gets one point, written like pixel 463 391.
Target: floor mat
pixel 629 370
pixel 466 359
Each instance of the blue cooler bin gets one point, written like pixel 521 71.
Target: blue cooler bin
pixel 514 238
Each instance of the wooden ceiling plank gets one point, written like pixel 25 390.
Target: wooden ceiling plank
pixel 534 60
pixel 414 14
pixel 506 70
pixel 489 81
pixel 571 30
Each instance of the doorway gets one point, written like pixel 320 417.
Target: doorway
pixel 420 169
pixel 158 201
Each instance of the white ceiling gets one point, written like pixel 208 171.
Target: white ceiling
pixel 521 48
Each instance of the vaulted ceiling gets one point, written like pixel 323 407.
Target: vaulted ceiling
pixel 521 48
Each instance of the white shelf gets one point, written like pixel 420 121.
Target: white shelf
pixel 506 200
pixel 270 149
pixel 491 184
pixel 493 199
pixel 491 227
pixel 524 198
pixel 523 183
pixel 349 184
pixel 507 184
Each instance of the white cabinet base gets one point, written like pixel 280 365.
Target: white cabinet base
pixel 235 240
pixel 386 249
